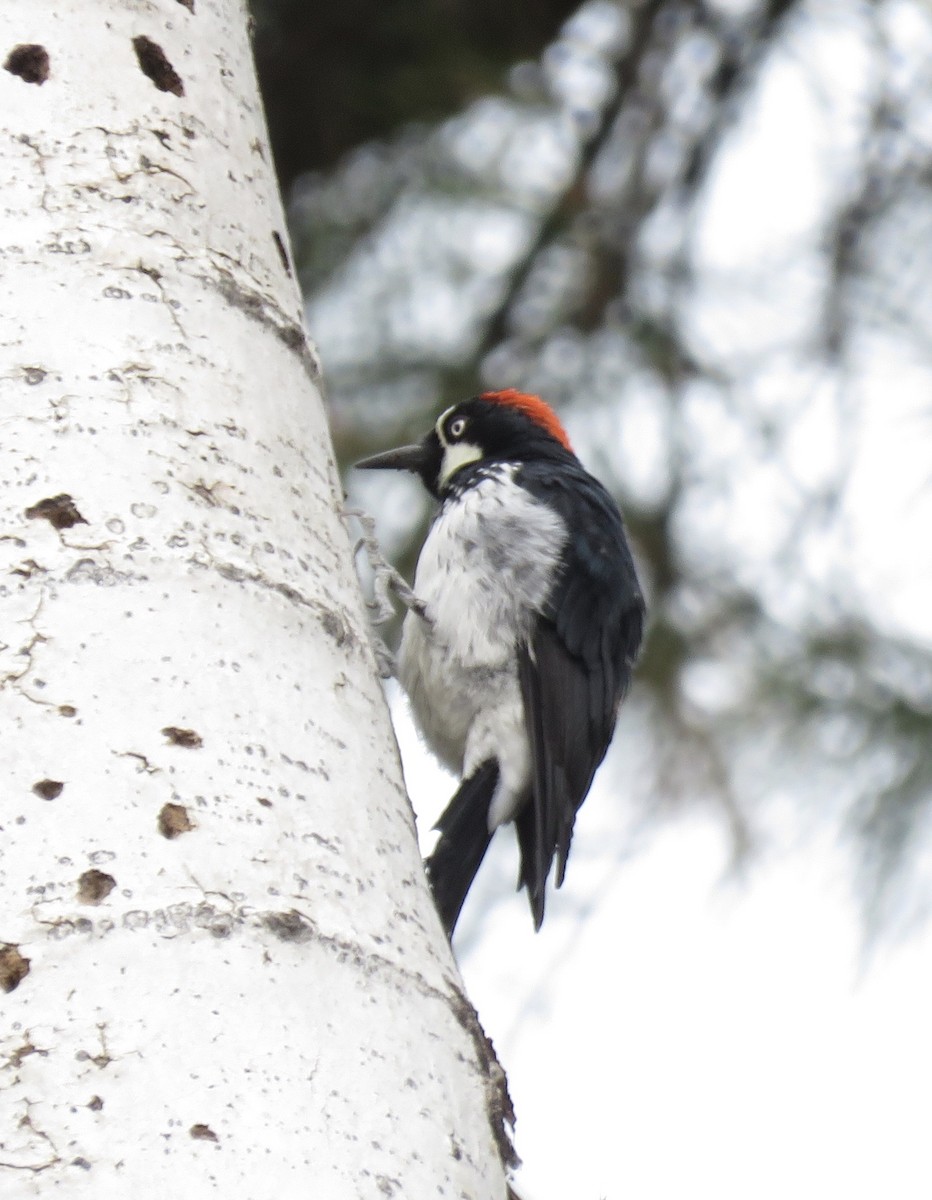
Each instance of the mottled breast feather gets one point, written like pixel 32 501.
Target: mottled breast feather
pixel 484 574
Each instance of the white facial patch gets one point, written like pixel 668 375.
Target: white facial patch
pixel 457 456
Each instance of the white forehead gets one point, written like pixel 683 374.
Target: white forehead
pixel 439 426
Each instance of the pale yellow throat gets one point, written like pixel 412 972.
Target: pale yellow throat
pixel 457 456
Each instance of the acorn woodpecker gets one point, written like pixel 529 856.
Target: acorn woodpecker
pixel 522 640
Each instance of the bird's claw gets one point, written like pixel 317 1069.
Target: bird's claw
pixel 386 582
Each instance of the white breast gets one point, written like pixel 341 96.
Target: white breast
pixel 486 568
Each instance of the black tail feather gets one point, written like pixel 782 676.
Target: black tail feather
pixel 464 839
pixel 530 875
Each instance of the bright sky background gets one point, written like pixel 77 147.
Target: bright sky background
pixel 697 1033
pixel 674 1030
pixel 701 1034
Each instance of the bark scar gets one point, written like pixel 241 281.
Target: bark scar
pixel 155 66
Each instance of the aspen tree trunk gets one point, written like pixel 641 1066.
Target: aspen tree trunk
pixel 220 970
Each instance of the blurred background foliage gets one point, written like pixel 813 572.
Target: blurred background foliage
pixel 703 231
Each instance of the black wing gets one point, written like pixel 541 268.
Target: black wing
pixel 575 669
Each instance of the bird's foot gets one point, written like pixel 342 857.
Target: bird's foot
pixel 386 582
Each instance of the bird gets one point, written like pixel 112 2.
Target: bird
pixel 521 642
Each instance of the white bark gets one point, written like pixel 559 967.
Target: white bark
pixel 261 1004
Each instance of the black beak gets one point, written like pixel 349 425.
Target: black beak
pixel 424 459
pixel 405 458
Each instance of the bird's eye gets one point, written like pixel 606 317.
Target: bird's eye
pixel 457 427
